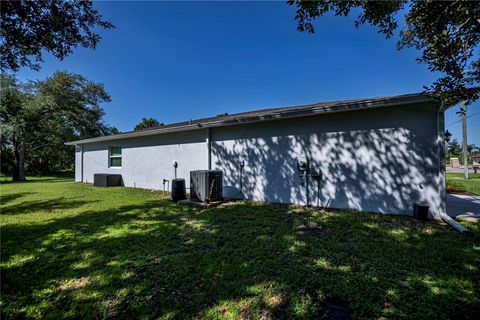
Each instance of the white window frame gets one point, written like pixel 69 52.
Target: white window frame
pixel 110 157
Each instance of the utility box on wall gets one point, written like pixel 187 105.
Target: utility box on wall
pixel 206 185
pixel 107 180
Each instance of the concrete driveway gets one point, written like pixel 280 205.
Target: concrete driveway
pixel 462 207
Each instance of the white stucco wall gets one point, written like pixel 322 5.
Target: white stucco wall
pixel 146 161
pixel 78 164
pixel 380 160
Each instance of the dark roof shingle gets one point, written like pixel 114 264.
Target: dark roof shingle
pixel 269 114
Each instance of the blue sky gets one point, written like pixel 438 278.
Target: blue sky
pixel 177 60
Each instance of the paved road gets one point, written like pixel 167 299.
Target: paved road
pixel 463 207
pixel 460 170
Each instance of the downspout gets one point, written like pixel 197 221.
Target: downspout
pixel 441 171
pixel 209 149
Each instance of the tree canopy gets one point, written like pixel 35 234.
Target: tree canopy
pixel 454 148
pixel 30 28
pixel 147 123
pixel 447 33
pixel 37 117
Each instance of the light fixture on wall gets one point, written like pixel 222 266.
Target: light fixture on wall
pixel 448 135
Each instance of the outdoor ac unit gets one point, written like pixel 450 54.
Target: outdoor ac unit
pixel 206 185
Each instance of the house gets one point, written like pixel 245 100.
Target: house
pixel 378 155
pixel 476 159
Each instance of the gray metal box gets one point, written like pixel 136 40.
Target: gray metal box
pixel 206 185
pixel 107 180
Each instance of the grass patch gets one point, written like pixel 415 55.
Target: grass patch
pixel 56 176
pixel 74 251
pixel 459 184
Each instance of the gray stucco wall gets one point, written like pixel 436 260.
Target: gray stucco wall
pixel 146 161
pixel 381 160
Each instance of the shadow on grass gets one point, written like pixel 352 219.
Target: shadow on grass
pixel 52 177
pixel 43 205
pixel 241 259
pixel 5 199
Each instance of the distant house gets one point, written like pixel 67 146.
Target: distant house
pixel 379 155
pixel 476 160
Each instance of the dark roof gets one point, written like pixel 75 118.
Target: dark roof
pixel 269 114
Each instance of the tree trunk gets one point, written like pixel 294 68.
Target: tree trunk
pixel 18 160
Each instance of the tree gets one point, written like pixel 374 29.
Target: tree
pixel 147 123
pixel 28 28
pixel 38 117
pixel 446 32
pixel 13 119
pixel 454 148
pixel 472 149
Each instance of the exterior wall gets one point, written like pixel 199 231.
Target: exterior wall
pixel 78 164
pixel 146 161
pixel 381 160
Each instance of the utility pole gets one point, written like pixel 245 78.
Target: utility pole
pixel 464 134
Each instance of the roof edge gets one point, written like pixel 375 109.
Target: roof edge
pixel 277 113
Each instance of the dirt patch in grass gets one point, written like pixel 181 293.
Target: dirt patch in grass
pixel 455 190
pixel 74 284
pixel 312 229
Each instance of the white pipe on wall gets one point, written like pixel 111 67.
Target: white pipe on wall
pixel 209 147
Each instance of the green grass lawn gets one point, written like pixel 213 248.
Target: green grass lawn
pixel 74 251
pixel 457 181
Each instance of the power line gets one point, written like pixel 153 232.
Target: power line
pixel 458 121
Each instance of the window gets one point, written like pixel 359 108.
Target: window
pixel 115 157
